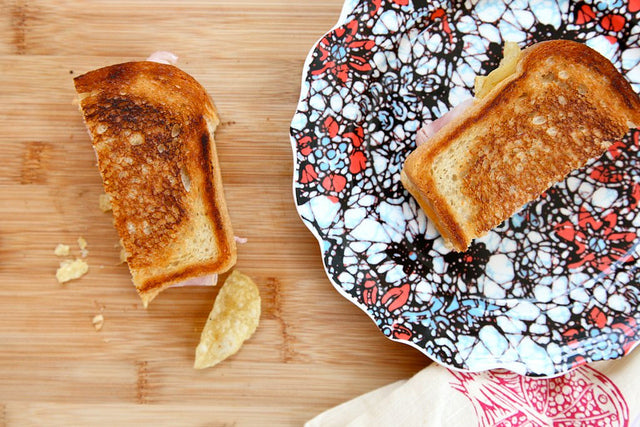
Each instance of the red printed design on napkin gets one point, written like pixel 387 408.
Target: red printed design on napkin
pixel 582 397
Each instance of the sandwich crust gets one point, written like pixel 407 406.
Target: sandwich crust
pixel 563 105
pixel 152 129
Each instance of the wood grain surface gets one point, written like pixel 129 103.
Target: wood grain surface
pixel 312 350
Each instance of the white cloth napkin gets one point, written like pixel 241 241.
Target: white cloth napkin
pixel 605 393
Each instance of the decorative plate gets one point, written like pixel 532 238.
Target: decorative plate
pixel 552 288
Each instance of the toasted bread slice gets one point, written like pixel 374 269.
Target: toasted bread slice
pixel 563 105
pixel 152 128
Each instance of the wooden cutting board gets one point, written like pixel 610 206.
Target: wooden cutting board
pixel 312 350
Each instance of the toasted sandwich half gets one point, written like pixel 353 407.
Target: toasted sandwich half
pixel 547 111
pixel 152 128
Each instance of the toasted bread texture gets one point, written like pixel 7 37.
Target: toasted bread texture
pixel 152 128
pixel 563 105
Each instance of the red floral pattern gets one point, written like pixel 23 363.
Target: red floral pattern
pixel 339 53
pixel 597 240
pixel 583 397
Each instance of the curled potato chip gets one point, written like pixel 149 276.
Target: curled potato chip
pixel 233 319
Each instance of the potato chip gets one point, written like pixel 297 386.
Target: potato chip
pixel 233 319
pixel 70 270
pixel 82 244
pixel 98 322
pixel 62 250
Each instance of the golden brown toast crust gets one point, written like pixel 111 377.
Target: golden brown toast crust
pixel 152 129
pixel 563 106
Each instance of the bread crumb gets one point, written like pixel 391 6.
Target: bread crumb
pixel 98 321
pixel 102 128
pixel 70 270
pixel 61 250
pixel 123 252
pixel 539 120
pixel 123 256
pixel 175 130
pixel 104 201
pixel 136 139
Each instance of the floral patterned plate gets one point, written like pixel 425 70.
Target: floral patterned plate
pixel 552 288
